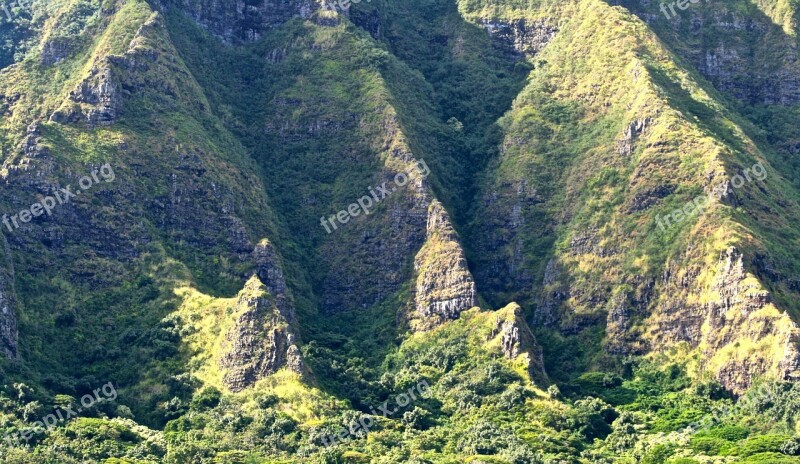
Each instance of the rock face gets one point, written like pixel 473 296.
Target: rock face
pixel 707 301
pixel 263 338
pixel 743 53
pixel 55 50
pixel 240 21
pixel 631 134
pixel 445 286
pixel 736 325
pixel 270 271
pixel 101 93
pixel 374 264
pixel 508 207
pixel 190 197
pixel 8 318
pixel 517 341
pixel 98 99
pixel 525 37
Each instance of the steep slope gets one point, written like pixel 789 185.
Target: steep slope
pixel 122 124
pixel 268 223
pixel 354 190
pixel 164 234
pixel 600 148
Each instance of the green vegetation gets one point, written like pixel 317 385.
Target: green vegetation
pixel 648 346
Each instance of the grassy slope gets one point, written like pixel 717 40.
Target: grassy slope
pixel 87 315
pixel 604 71
pixel 560 134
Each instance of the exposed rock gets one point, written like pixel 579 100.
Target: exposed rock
pixel 445 286
pixel 98 97
pixel 514 209
pixel 33 165
pixel 379 245
pixel 734 71
pixel 735 311
pixel 261 341
pixel 8 318
pixel 590 241
pixel 55 50
pixel 649 197
pixel 101 92
pixel 241 21
pixel 635 129
pixel 518 342
pixel 749 57
pixel 264 336
pixel 525 37
pixel 554 293
pixel 269 270
pixel 623 336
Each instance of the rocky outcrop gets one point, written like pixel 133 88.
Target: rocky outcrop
pixel 517 342
pixel 631 134
pixel 261 340
pixel 377 246
pixel 444 286
pixel 8 317
pixel 525 37
pixel 742 51
pixel 734 70
pixel 98 99
pixel 101 93
pixel 509 206
pixel 732 319
pixel 240 21
pixel 269 270
pixel 55 50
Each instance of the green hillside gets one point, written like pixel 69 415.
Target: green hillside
pixel 471 231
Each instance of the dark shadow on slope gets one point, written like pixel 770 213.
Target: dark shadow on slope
pixel 474 80
pixel 469 80
pixel 298 106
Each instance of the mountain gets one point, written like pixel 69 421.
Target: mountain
pixel 274 231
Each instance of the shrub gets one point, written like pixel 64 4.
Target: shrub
pixel 762 444
pixel 658 455
pixel 791 447
pixel 208 398
pixel 729 432
pixel 710 446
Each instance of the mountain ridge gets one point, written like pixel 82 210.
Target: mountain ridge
pixel 556 137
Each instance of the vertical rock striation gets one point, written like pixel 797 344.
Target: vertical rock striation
pixel 8 318
pixel 263 338
pixel 525 37
pixel 732 319
pixel 517 342
pixel 239 21
pixel 270 271
pixel 445 286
